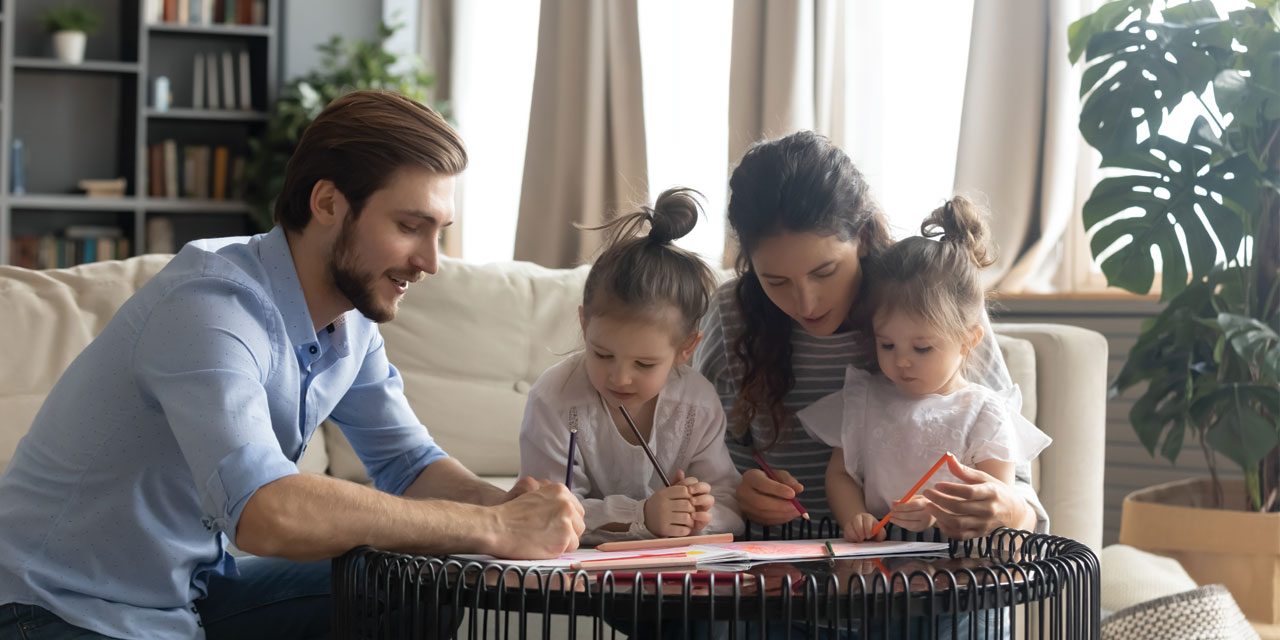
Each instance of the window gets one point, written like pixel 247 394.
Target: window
pixel 684 54
pixel 492 90
pixel 903 101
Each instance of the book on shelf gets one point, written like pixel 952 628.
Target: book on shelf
pixel 246 101
pixel 153 11
pixel 159 235
pixel 228 81
pixel 170 168
pixel 211 80
pixel 205 12
pixel 197 84
pixel 201 172
pixel 221 162
pixel 69 247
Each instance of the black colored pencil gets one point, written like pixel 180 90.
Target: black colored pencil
pixel 631 423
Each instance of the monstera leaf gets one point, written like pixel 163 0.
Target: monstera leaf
pixel 1177 184
pixel 1138 73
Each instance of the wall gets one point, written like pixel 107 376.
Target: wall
pixel 308 23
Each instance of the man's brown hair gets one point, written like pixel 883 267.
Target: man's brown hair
pixel 358 142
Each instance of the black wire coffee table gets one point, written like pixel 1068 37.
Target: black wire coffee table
pixel 1045 586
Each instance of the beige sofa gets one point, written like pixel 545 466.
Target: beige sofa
pixel 471 340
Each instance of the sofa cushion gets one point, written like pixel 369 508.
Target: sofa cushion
pixel 54 315
pixel 467 367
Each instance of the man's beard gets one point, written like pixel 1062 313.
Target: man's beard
pixel 357 287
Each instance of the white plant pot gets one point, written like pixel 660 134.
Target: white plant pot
pixel 69 46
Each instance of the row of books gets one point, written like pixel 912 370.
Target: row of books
pixel 206 12
pixel 208 92
pixel 194 171
pixel 69 247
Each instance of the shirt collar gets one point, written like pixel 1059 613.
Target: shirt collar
pixel 286 288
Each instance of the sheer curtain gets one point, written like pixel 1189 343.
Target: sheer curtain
pixel 489 92
pixel 684 47
pixel 883 80
pixel 902 97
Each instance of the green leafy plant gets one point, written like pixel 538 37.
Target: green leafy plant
pixel 344 67
pixel 70 18
pixel 1208 206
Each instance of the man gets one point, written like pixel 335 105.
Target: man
pixel 180 426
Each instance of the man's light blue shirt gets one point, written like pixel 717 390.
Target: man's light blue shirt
pixel 206 385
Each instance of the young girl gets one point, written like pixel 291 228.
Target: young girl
pixel 641 305
pixel 926 308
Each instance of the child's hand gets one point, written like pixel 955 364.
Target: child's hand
pixel 699 492
pixel 912 515
pixel 859 528
pixel 669 512
pixel 700 496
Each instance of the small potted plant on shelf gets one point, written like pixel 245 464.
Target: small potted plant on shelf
pixel 70 26
pixel 1209 206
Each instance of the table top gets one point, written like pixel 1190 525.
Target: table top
pixel 1007 568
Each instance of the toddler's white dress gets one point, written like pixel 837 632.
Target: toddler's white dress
pixel 891 438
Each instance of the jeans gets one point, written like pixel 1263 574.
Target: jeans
pixel 271 598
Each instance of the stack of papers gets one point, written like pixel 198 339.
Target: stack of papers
pixel 728 552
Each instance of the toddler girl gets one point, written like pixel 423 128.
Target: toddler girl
pixel 641 305
pixel 926 314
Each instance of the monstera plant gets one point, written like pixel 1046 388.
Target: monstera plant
pixel 344 67
pixel 1201 213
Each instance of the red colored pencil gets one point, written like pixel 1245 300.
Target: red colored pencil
pixel 925 478
pixel 768 471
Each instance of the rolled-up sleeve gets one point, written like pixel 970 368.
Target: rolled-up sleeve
pixel 383 430
pixel 206 369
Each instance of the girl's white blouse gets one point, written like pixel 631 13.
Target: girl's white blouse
pixel 612 477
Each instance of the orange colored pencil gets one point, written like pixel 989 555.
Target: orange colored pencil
pixel 768 471
pixel 925 478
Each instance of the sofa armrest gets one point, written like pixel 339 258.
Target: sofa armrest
pixel 1071 397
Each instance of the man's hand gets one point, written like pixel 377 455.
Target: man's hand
pixel 766 501
pixel 522 486
pixel 669 512
pixel 976 505
pixel 538 524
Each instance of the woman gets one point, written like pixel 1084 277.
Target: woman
pixel 778 338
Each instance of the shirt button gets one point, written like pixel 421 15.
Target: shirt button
pixel 313 349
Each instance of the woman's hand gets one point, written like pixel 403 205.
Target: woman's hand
pixel 765 501
pixel 977 505
pixel 912 515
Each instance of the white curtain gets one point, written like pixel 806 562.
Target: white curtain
pixel 1019 143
